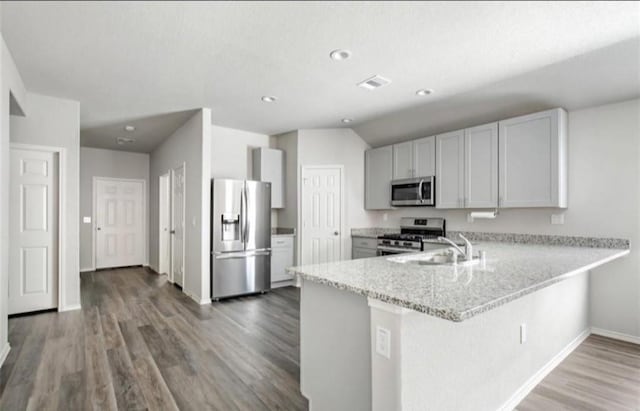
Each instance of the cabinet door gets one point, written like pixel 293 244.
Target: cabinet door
pixel 481 166
pixel 424 156
pixel 281 258
pixel 378 174
pixel 532 160
pixel 362 253
pixel 450 169
pixel 403 160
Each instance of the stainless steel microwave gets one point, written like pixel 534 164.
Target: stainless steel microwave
pixel 419 191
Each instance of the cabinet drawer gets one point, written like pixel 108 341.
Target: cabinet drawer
pixel 363 253
pixel 281 242
pixel 364 242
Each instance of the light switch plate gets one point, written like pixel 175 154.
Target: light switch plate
pixel 383 342
pixel 86 220
pixel 557 219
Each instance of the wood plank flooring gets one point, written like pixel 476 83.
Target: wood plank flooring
pixel 139 343
pixel 601 374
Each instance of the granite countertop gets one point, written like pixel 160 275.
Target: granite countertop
pixel 283 232
pixel 373 232
pixel 511 271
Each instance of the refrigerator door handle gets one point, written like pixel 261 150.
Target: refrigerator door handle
pixel 245 208
pixel 228 256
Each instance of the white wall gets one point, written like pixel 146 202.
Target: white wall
pixel 231 152
pixel 190 144
pixel 96 162
pixel 10 84
pixel 56 122
pixel 288 216
pixel 604 201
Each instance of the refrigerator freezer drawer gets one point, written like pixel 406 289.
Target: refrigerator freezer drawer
pixel 239 273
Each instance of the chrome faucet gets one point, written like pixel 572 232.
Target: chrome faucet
pixel 467 253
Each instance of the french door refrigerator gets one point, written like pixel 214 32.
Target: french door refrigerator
pixel 240 237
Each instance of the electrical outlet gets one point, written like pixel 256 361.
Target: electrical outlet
pixel 385 217
pixel 557 218
pixel 383 342
pixel 86 220
pixel 523 333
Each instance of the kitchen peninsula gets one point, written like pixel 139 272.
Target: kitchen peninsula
pixel 395 334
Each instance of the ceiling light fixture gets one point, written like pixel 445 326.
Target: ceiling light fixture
pixel 268 99
pixel 374 82
pixel 129 128
pixel 347 120
pixel 424 92
pixel 340 54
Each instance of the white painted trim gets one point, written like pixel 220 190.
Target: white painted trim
pixel 284 283
pixel 4 353
pixel 343 237
pixel 94 217
pixel 62 209
pixel 616 335
pixel 86 270
pixel 535 379
pixel 72 307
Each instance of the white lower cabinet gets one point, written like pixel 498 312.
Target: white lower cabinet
pixel 281 258
pixel 363 247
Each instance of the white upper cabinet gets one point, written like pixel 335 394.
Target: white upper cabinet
pixel 533 160
pixel 415 158
pixel 424 157
pixel 378 163
pixel 450 170
pixel 481 166
pixel 403 160
pixel 268 165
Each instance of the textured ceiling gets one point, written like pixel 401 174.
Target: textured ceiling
pixel 125 60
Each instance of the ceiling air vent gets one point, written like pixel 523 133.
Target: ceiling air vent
pixel 125 140
pixel 374 82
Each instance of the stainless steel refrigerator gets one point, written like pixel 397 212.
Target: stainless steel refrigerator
pixel 240 237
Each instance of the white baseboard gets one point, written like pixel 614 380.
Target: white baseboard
pixel 616 335
pixel 4 352
pixel 69 308
pixel 535 379
pixel 285 283
pixel 87 270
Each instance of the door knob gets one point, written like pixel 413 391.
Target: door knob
pixel 172 232
pixel 98 229
pixel 335 233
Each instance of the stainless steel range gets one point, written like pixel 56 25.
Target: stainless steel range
pixel 414 234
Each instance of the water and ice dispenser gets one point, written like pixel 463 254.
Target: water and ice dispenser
pixel 230 227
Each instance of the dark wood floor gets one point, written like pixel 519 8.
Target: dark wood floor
pixel 139 343
pixel 601 374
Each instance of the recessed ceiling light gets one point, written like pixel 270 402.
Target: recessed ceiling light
pixel 347 120
pixel 268 99
pixel 129 128
pixel 424 92
pixel 340 54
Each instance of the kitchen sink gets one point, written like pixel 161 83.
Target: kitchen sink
pixel 442 258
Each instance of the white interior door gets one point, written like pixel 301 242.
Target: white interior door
pixel 321 214
pixel 177 222
pixel 119 208
pixel 33 231
pixel 164 224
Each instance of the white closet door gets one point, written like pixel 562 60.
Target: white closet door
pixel 177 221
pixel 120 239
pixel 33 231
pixel 321 215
